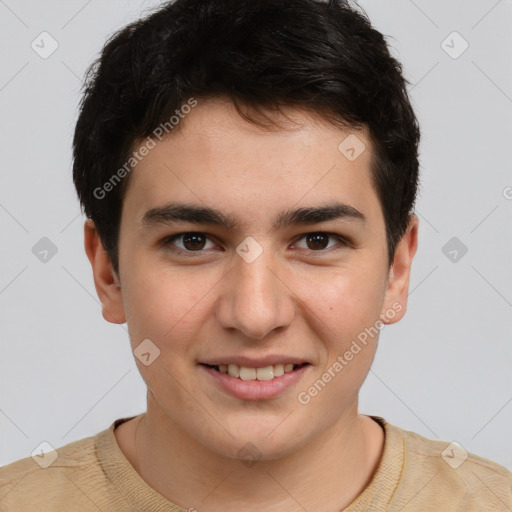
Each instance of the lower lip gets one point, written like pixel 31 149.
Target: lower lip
pixel 255 389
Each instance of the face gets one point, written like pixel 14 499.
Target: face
pixel 261 253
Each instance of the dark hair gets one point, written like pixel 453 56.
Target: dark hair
pixel 323 56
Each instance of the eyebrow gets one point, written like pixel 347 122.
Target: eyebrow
pixel 180 212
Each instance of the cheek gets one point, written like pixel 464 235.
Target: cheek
pixel 344 301
pixel 167 308
pixel 159 309
pixel 347 330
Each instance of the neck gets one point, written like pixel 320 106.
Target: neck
pixel 327 474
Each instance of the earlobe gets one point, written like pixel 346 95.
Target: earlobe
pixel 105 279
pixel 397 289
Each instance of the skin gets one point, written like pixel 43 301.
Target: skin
pixel 294 299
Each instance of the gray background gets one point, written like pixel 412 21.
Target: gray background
pixel 443 371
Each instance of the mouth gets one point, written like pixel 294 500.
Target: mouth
pixel 249 373
pixel 254 383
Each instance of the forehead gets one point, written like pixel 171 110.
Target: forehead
pixel 219 159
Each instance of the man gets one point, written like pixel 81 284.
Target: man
pixel 249 172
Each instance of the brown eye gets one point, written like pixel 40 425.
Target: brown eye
pixel 317 241
pixel 321 242
pixel 194 241
pixel 190 242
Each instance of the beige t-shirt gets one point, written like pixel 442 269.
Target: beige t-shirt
pixel 413 475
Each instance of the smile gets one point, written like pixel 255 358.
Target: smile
pixel 248 373
pixel 254 383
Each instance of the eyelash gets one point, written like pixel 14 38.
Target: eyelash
pixel 168 241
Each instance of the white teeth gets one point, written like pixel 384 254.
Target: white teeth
pixel 234 370
pixel 266 373
pixel 278 370
pixel 248 373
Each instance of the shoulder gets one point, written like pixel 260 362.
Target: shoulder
pixel 445 474
pixel 65 456
pixel 43 481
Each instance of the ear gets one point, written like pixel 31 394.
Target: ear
pixel 105 279
pixel 397 288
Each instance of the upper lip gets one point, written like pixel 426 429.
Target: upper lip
pixel 253 362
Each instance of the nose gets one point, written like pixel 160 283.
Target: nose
pixel 254 298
